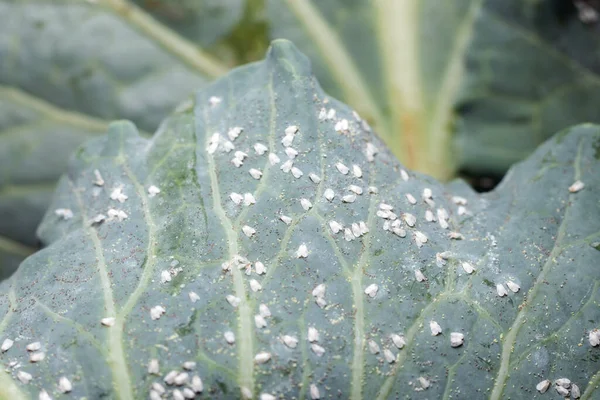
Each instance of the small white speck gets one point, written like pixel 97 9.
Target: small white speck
pixel 119 215
pixel 273 159
pixel 256 174
pixel 260 149
pixel 436 329
pixel 409 219
pixel 456 339
pixel 355 189
pixel 329 194
pixel 314 177
pixel 153 367
pixel 291 152
pixel 543 386
pixel 108 321
pixel 594 337
pixel 313 335
pixel 234 132
pixel 64 385
pixel 153 191
pixel 419 276
pixel 37 357
pixel 260 268
pixel 349 198
pixel 262 357
pixel 342 168
pixel 264 311
pixel 291 130
pixel 232 300
pixel 302 251
pixel 156 312
pixel 35 346
pixel 287 166
pixel 404 175
pixel 424 382
pixel 249 199
pixel 318 350
pixel 284 218
pixel 514 287
pixel 214 100
pixel 398 340
pixel 462 210
pixel 24 377
pixel 335 226
pixel 290 341
pixel 314 392
pixel 255 285
pixel 267 396
pixel 459 200
pixel 64 213
pixel 213 143
pixel 576 186
pixel 411 199
pixel 456 236
pixel 356 171
pixel 389 356
pixel 501 290
pixel 371 290
pixel 6 345
pixel 468 267
pixel 296 172
pixel 248 231
pixel 99 181
pixel 373 347
pixel 260 321
pixel 229 337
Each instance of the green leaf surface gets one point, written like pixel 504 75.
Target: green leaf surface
pixel 530 231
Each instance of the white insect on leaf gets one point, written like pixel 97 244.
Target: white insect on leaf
pixel 256 174
pixel 456 339
pixel 302 251
pixel 297 172
pixel 264 311
pixel 314 177
pixel 456 236
pixel 165 276
pixel 287 140
pixel 291 152
pixel 373 190
pixel 233 300
pixel 229 337
pixel 427 193
pixel 37 357
pixel 594 337
pixel 424 382
pixel 99 181
pixel 267 396
pixel 356 171
pixel 287 166
pixel 317 349
pixel 543 386
pixel 335 226
pixel 255 285
pixel 291 130
pixel 108 321
pixel 429 217
pixel 329 194
pixel 181 378
pixel 356 230
pixel 228 146
pixel 189 365
pixel 43 395
pixel 322 117
pixel 501 290
pixel 411 199
pixel 246 393
pixel 514 287
pixel 419 276
pixel 341 126
pixel 260 149
pixel 373 347
pixel 249 199
pixel 170 377
pixel 435 328
pixel 236 198
pixel 213 143
pixel 234 132
pixel 371 290
pixel 158 388
pixel 262 357
pixel 156 312
pixel 355 189
pixel 153 367
pixel 563 391
pixel 188 393
pixel 237 162
pixel 119 215
pixel 35 346
pixel 462 210
pixel 248 230
pixel 273 159
pixel 319 290
pixel 153 191
pixel 576 186
pixel 363 227
pixel 461 201
pixel 313 334
pixel 260 321
pixel 321 302
pixel 260 268
pixel 389 356
pixel 468 267
pixel 314 392
pixel 348 235
pixel 404 175
pixel 398 340
pixel 290 341
pixel 98 219
pixel 420 238
pixel 6 345
pixel 564 382
pixel 575 392
pixel 285 219
pixel 64 213
pixel 410 219
pixel 24 377
pixel 349 198
pixel 214 100
pixel 64 385
pixel 371 151
pixel 342 168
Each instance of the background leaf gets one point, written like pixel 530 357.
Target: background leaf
pixel 530 231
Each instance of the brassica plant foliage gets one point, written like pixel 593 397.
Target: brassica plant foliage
pixel 264 244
